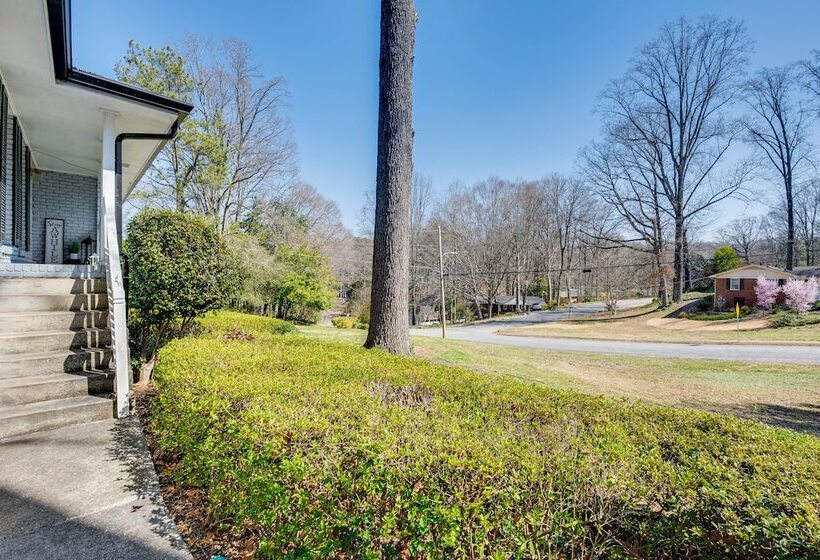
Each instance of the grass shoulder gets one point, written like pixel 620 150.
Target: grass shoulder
pixel 676 324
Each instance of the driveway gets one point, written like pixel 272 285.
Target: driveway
pixel 485 332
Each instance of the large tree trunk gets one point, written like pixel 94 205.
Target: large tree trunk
pixel 389 329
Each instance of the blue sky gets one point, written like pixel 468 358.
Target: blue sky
pixel 502 88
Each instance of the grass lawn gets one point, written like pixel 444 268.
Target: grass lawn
pixel 782 395
pixel 298 447
pixel 647 325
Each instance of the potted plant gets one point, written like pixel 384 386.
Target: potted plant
pixel 74 251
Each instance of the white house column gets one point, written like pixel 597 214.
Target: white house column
pixel 110 252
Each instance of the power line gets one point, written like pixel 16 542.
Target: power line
pixel 578 269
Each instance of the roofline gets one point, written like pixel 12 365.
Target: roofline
pixel 59 23
pixel 762 266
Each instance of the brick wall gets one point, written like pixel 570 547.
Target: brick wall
pixel 746 293
pixel 71 198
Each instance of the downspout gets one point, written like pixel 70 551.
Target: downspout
pixel 118 163
pixel 118 186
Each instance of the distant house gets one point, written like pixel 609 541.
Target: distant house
pixel 512 303
pixel 503 303
pixel 737 286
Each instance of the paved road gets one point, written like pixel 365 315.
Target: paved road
pixel 485 333
pixel 536 317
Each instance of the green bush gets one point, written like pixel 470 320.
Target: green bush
pixel 324 449
pixel 179 268
pixel 791 319
pixel 706 303
pixel 691 296
pixel 347 322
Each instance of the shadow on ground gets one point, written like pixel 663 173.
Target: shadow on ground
pixel 804 418
pixel 78 538
pixel 130 451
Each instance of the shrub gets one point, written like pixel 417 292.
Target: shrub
pixel 792 319
pixel 706 303
pixel 344 322
pixel 179 268
pixel 347 322
pixel 323 449
pixel 712 316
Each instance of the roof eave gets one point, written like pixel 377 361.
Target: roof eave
pixel 59 22
pixel 770 268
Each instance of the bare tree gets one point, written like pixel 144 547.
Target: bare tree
pixel 245 135
pixel 565 206
pixel 744 235
pixel 478 220
pixel 389 329
pixel 674 99
pixel 811 75
pixel 777 128
pixel 807 218
pixel 624 175
pixel 421 200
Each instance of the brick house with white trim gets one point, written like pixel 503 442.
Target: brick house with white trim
pixel 738 285
pixel 73 145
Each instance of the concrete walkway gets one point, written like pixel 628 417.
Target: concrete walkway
pixel 84 492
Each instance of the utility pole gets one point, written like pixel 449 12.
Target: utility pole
pixel 441 277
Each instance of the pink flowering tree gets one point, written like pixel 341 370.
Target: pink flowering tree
pixel 766 292
pixel 801 294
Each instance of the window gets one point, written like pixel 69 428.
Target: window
pixel 734 284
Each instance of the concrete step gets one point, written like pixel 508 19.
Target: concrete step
pixel 44 363
pixel 27 418
pixel 38 388
pixel 35 321
pixel 46 341
pixel 52 302
pixel 52 286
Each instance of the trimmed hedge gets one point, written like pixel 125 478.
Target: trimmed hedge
pixel 325 449
pixel 256 325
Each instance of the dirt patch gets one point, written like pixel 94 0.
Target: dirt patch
pixel 411 396
pixel 236 334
